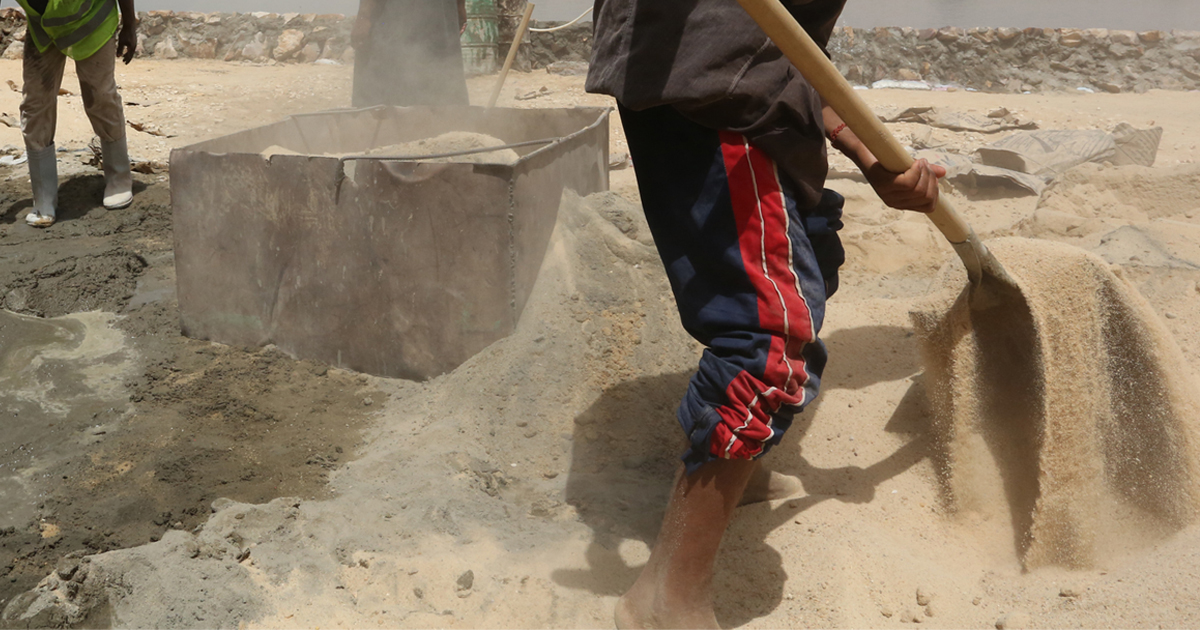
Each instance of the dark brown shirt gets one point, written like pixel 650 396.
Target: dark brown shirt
pixel 709 60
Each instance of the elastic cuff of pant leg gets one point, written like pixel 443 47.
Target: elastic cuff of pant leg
pixel 698 420
pixel 700 454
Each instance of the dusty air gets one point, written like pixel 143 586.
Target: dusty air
pixel 624 313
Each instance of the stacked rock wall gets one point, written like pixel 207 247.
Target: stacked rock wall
pixel 991 59
pixel 573 43
pixel 1012 60
pixel 255 37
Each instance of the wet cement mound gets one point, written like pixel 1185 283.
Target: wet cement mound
pixel 75 284
pixel 1075 411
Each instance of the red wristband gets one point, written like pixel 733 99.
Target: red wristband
pixel 834 134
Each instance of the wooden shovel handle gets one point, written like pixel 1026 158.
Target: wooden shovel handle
pixel 820 73
pixel 512 54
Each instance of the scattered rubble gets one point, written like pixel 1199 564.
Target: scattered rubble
pixel 958 121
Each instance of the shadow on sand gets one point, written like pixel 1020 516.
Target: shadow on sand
pixel 626 453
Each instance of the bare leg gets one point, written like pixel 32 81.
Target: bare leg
pixel 674 590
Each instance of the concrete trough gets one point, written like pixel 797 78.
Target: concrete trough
pixel 394 267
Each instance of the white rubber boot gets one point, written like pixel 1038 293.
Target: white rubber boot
pixel 43 175
pixel 118 178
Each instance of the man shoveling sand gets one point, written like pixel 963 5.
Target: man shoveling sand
pixel 1078 380
pixel 729 149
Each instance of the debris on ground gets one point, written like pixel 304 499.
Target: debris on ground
pixel 958 121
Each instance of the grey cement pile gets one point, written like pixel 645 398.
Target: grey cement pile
pixel 1077 417
pixel 453 142
pixel 450 142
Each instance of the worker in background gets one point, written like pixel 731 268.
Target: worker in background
pixel 93 33
pixel 729 147
pixel 407 52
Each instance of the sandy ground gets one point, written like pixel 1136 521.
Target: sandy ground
pixel 524 488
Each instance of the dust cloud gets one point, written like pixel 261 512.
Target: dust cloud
pixel 1075 411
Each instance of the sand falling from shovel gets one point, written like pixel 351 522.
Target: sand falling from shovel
pixel 1074 414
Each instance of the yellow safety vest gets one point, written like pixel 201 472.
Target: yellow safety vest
pixel 78 28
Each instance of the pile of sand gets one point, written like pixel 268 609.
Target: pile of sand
pixel 453 142
pixel 1075 413
pixel 1091 201
pixel 450 142
pixel 1130 193
pixel 525 487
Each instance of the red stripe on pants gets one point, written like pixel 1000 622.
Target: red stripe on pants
pixel 762 223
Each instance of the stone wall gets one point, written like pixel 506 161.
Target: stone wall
pixel 573 43
pixel 253 37
pixel 1030 60
pixel 1002 60
pixel 999 60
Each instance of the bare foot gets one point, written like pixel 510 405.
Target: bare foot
pixel 768 485
pixel 674 589
pixel 636 611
